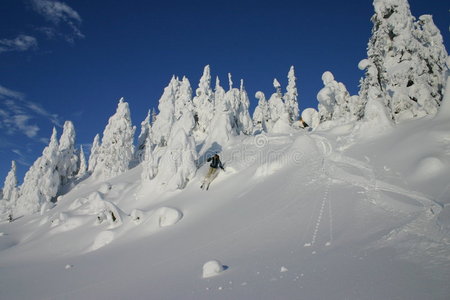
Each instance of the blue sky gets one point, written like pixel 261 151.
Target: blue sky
pixel 72 60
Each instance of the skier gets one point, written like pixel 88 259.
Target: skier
pixel 213 168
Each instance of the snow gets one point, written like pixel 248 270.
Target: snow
pixel 212 268
pixel 372 212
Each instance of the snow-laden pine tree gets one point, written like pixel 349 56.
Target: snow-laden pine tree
pixel 224 123
pixel 232 101
pixel 403 69
pixel 149 163
pixel 117 149
pixel 95 150
pixel 291 96
pixel 68 159
pixel 279 117
pixel 245 122
pixel 219 93
pixel 431 65
pixel 41 182
pixel 10 189
pixel 178 163
pixel 204 103
pixel 82 170
pixel 142 139
pixel 261 115
pixel 183 99
pixel 335 102
pixel 166 117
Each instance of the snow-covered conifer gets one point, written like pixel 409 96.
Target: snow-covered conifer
pixel 244 120
pixel 224 122
pixel 142 139
pixel 335 101
pixel 42 180
pixel 178 163
pixel 150 163
pixel 154 115
pixel 184 98
pixel 82 170
pixel 116 150
pixel 10 190
pixel 95 148
pixel 68 159
pixel 403 69
pixel 166 117
pixel 204 102
pixel 279 116
pixel 219 93
pixel 291 96
pixel 261 115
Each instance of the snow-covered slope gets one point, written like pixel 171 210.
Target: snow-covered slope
pixel 308 215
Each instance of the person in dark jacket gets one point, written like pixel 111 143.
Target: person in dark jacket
pixel 213 168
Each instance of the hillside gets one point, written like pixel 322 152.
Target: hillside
pixel 332 214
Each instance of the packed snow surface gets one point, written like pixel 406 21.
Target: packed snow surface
pixel 313 214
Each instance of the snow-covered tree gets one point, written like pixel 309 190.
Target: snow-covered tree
pixel 224 123
pixel 178 163
pixel 231 104
pixel 431 66
pixel 95 150
pixel 204 102
pixel 150 163
pixel 42 180
pixel 10 190
pixel 261 115
pixel 166 117
pixel 291 96
pixel 184 98
pixel 142 139
pixel 245 122
pixel 82 170
pixel 68 159
pixel 279 116
pixel 335 101
pixel 405 64
pixel 154 115
pixel 116 150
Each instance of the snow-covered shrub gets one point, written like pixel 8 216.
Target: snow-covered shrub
pixel 335 102
pixel 311 117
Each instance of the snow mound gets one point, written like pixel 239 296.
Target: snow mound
pixel 158 218
pixel 102 239
pixel 427 168
pixel 167 216
pixel 104 188
pixel 212 268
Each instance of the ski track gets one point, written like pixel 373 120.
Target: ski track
pixel 432 241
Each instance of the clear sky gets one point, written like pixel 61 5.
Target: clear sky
pixel 73 59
